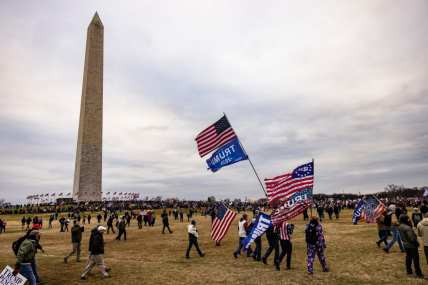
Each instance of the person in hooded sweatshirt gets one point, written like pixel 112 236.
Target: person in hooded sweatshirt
pixel 96 253
pixel 193 239
pixel 411 244
pixel 423 233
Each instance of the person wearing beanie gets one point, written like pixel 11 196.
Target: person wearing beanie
pixel 411 244
pixel 96 253
pixel 193 239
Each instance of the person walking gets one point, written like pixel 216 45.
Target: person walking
pixel 110 224
pixel 315 244
pixel 122 229
pixel 23 221
pixel 243 226
pixel 382 230
pixel 26 256
pixel 76 239
pixel 395 238
pixel 286 230
pixel 272 235
pixel 411 244
pixel 423 233
pixel 193 239
pixel 165 222
pixel 96 253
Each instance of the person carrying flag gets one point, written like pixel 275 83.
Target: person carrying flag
pixel 272 236
pixel 243 227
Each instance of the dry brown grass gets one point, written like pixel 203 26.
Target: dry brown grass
pixel 148 257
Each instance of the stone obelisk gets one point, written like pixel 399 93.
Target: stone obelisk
pixel 88 169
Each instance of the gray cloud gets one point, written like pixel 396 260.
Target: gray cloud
pixel 343 83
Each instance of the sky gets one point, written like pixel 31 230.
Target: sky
pixel 341 82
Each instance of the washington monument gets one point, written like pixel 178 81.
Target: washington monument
pixel 88 169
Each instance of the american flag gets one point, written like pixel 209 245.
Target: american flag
pixel 214 136
pixel 283 186
pixel 285 213
pixel 373 208
pixel 221 224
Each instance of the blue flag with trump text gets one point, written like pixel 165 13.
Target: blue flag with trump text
pixel 260 226
pixel 228 154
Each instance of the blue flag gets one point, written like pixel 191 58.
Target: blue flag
pixel 228 154
pixel 358 211
pixel 260 226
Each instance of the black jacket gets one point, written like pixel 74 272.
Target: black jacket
pixel 96 242
pixel 76 233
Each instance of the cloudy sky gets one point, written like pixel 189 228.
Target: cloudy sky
pixel 342 82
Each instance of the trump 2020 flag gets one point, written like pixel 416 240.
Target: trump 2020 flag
pixel 228 154
pixel 260 226
pixel 358 212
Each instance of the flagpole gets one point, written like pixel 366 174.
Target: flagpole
pixel 313 170
pixel 249 160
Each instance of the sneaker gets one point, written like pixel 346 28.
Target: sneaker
pixel 187 256
pixel 235 255
pixel 420 276
pixel 277 267
pixel 378 244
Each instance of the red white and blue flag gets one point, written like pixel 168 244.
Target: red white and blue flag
pixel 282 187
pixel 222 221
pixel 213 137
pixel 373 209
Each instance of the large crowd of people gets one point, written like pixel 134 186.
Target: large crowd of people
pixel 107 217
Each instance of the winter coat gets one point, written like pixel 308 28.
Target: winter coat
pixel 26 252
pixel 408 236
pixel 423 230
pixel 96 243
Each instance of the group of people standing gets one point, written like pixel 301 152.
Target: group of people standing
pixel 280 236
pixel 403 233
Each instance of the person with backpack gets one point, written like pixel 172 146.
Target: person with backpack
pixel 285 230
pixel 76 238
pixel 193 239
pixel 96 253
pixel 25 257
pixel 16 245
pixel 315 245
pixel 411 244
pixel 121 226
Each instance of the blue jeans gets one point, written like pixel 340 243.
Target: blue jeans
pixel 395 238
pixel 27 271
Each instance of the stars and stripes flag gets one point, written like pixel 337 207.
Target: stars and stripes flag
pixel 216 135
pixel 373 208
pixel 222 221
pixel 282 187
pixel 293 207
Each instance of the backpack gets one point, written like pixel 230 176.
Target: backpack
pixel 311 234
pixel 16 244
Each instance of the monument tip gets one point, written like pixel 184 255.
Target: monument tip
pixel 96 20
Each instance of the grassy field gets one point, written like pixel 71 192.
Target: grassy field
pixel 148 257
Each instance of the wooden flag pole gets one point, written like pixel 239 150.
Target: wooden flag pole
pixel 249 160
